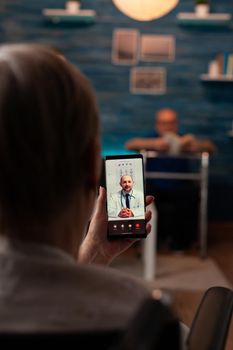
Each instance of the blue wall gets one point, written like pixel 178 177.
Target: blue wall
pixel 204 109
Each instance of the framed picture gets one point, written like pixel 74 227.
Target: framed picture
pixel 147 80
pixel 157 48
pixel 125 45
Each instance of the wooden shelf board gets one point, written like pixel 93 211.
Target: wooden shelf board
pixel 216 19
pixel 222 78
pixel 62 15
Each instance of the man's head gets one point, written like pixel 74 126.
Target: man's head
pixel 126 183
pixel 48 135
pixel 166 121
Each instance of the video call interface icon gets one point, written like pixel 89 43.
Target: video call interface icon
pixel 126 227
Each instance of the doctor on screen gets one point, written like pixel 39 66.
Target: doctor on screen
pixel 127 202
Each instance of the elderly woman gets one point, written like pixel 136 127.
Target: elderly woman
pixel 51 277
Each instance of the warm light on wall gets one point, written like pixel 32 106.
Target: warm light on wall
pixel 145 10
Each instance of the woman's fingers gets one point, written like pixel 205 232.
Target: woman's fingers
pixel 148 228
pixel 148 215
pixel 149 200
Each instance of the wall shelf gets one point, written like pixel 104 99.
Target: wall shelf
pixel 212 19
pixel 221 78
pixel 63 16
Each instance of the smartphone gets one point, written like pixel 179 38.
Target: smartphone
pixel 125 186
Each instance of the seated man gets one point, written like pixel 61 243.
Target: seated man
pixel 167 139
pixel 176 200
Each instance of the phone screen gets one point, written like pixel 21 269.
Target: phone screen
pixel 125 196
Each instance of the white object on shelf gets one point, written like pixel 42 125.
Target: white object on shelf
pixel 207 77
pixel 202 10
pixel 72 6
pixel 213 69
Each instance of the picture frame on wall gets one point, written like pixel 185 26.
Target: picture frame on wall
pixel 125 46
pixel 148 80
pixel 157 48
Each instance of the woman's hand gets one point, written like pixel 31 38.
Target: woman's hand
pixel 96 248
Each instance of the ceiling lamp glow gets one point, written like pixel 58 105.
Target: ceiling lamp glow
pixel 145 10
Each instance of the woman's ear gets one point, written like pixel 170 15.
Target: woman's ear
pixel 93 165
